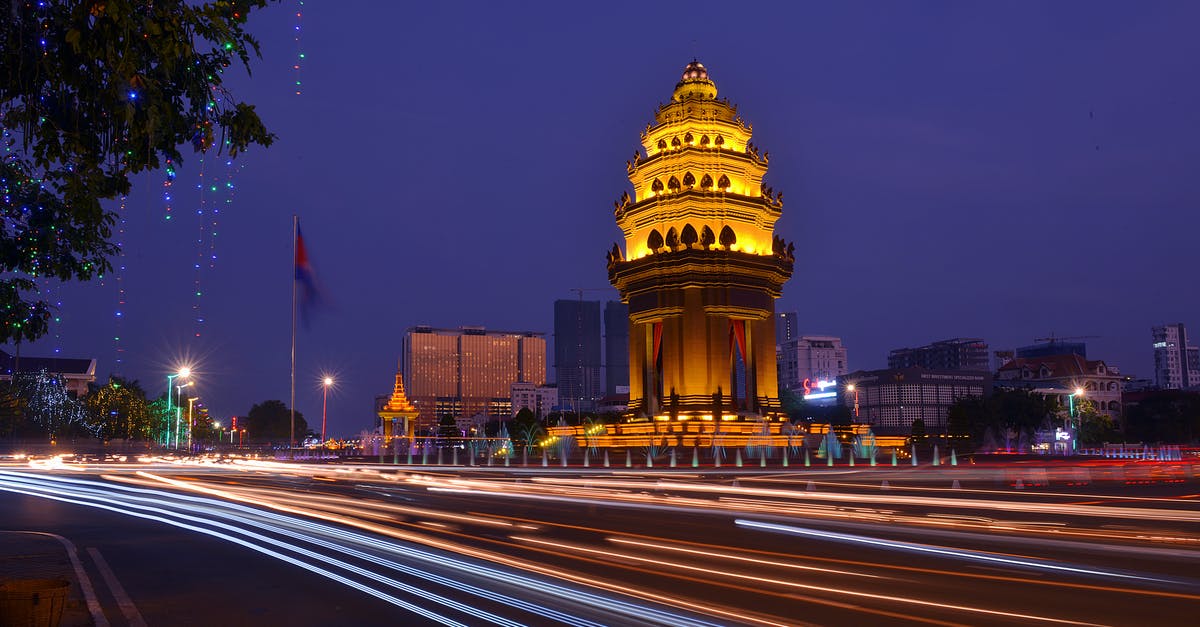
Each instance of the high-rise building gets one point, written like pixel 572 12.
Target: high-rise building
pixel 785 327
pixel 960 353
pixel 1176 361
pixel 468 371
pixel 701 266
pixel 811 358
pixel 577 353
pixel 616 348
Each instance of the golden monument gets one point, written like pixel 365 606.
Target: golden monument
pixel 398 408
pixel 702 266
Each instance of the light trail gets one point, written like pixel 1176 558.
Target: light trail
pixel 794 584
pixel 86 491
pixel 942 551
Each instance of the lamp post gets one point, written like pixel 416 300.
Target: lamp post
pixel 191 399
pixel 324 403
pixel 182 374
pixel 178 411
pixel 854 388
pixel 1074 425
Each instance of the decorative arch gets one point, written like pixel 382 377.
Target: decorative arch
pixel 689 180
pixel 1114 406
pixel 706 182
pixel 655 241
pixel 672 238
pixel 673 184
pixel 728 238
pixel 1112 386
pixel 662 144
pixel 720 141
pixel 707 237
pixel 688 139
pixel 675 142
pixel 656 186
pixel 704 140
pixel 724 183
pixel 688 235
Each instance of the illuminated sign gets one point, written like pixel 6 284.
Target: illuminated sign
pixel 1059 434
pixel 820 386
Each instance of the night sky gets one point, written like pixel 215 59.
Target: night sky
pixel 1000 170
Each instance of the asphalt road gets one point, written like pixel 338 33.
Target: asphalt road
pixel 254 543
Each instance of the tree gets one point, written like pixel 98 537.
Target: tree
pixel 118 410
pixel 270 421
pixel 1164 416
pixel 1005 411
pixel 50 407
pixel 92 93
pixel 918 431
pixel 448 432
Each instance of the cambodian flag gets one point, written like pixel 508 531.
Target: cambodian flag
pixel 306 279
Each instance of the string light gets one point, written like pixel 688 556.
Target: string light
pixel 119 316
pixel 299 49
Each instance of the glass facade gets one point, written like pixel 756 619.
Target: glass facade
pixel 468 371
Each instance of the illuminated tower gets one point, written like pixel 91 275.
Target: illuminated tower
pixel 396 409
pixel 701 267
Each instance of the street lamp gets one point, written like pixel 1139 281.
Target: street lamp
pixel 179 410
pixel 1072 423
pixel 324 403
pixel 191 399
pixel 183 373
pixel 853 388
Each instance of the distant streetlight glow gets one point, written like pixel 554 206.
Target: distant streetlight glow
pixel 328 381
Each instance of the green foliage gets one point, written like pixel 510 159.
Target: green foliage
pixel 270 421
pixel 119 410
pixel 1017 411
pixel 525 429
pixel 1167 416
pixel 793 404
pixel 918 435
pixel 90 94
pixel 448 431
pixel 12 414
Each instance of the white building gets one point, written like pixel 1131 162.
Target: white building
pixel 1100 383
pixel 1176 361
pixel 540 399
pixel 810 358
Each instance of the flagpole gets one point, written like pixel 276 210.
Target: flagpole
pixel 292 404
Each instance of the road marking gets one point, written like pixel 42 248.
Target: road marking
pixel 118 591
pixel 85 584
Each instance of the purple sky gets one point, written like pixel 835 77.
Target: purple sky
pixel 950 169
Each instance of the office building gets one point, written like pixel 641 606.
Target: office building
pixel 577 353
pixel 1176 361
pixel 616 348
pixel 890 400
pixel 960 353
pixel 539 399
pixel 809 359
pixel 468 371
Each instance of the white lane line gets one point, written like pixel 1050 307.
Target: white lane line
pixel 118 591
pixel 85 584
